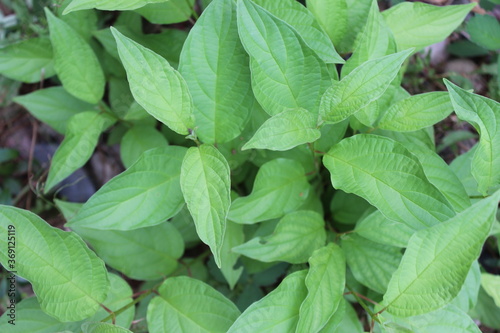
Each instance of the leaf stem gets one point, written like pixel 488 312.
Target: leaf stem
pixel 363 305
pixel 115 314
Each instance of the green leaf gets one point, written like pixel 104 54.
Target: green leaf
pixel 393 180
pixel 167 12
pixel 295 238
pixel 206 185
pixel 53 106
pixel 416 24
pixel 34 320
pixel 484 114
pixel 280 187
pixel 303 21
pixel 189 305
pixel 69 280
pixel 107 4
pixel 325 284
pixel 233 236
pixel 334 322
pixel 155 85
pixel 486 310
pixel 286 73
pixel 378 228
pixel 484 30
pixel 372 264
pixel 441 176
pixel 278 311
pixel 141 254
pixel 467 297
pixel 374 41
pixel 29 61
pixel 144 195
pixel 75 62
pixel 93 327
pixel 365 84
pixel 285 130
pixel 416 112
pixel 436 262
pixel 347 208
pixel 332 17
pixel 137 140
pixel 215 67
pixel 491 284
pixel 82 133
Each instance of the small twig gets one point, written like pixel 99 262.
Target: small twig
pixel 34 133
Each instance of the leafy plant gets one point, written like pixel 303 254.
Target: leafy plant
pixel 272 182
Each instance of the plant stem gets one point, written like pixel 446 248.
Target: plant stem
pixel 363 305
pixel 115 314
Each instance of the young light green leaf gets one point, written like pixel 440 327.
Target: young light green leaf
pixel 167 12
pixel 285 130
pixel 97 327
pixel 374 41
pixel 189 305
pixel 82 133
pixel 75 62
pixel 280 187
pixel 484 114
pixel 372 264
pixel 334 322
pixel 295 238
pixel 69 280
pixel 378 228
pixel 107 4
pixel 286 73
pixel 416 112
pixel 233 236
pixel 363 85
pixel 29 61
pixel 393 180
pixel 53 106
pixel 137 140
pixel 155 85
pixel 332 17
pixel 423 138
pixel 215 67
pixel 302 20
pixel 144 195
pixel 467 297
pixel 325 284
pixel 416 24
pixel 436 262
pixel 491 284
pixel 206 185
pixel 278 311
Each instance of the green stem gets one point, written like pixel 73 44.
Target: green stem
pixel 124 308
pixel 363 305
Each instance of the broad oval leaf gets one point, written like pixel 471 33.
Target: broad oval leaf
pixel 285 130
pixel 417 24
pixel 436 262
pixel 75 62
pixel 144 195
pixel 363 85
pixel 69 280
pixel 278 311
pixel 206 185
pixel 393 180
pixel 215 67
pixel 107 4
pixel 325 282
pixel 378 228
pixel 280 187
pixel 295 238
pixel 416 112
pixel 29 61
pixel 54 106
pixel 372 264
pixel 155 85
pixel 302 20
pixel 189 305
pixel 286 73
pixel 82 133
pixel 167 12
pixel 332 16
pixel 484 114
pixel 137 140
